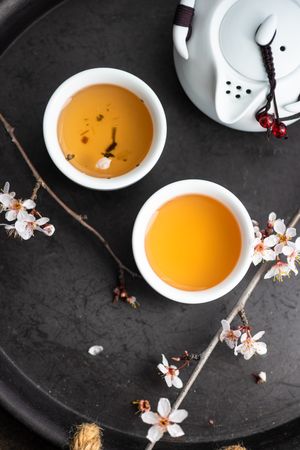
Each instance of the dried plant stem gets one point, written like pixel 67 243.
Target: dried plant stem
pixel 37 186
pixel 40 182
pixel 239 306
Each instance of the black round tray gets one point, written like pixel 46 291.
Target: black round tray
pixel 56 293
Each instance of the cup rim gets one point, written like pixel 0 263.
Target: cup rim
pixel 87 78
pixel 176 189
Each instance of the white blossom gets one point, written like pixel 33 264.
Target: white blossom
pixel 278 271
pixel 11 205
pixel 26 224
pixel 262 249
pixel 284 235
pixel 6 196
pixel 103 163
pixel 231 337
pixel 249 345
pixel 292 252
pixel 164 421
pixel 170 373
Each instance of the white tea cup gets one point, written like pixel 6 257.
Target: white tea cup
pixel 170 192
pixel 104 76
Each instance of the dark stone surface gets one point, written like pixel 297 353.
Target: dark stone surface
pixel 14 436
pixel 55 294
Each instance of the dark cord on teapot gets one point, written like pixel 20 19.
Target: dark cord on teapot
pixel 184 17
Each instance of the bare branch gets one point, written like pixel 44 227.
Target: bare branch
pixel 42 183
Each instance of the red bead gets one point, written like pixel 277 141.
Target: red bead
pixel 279 130
pixel 266 120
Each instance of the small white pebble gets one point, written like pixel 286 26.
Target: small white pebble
pixel 95 350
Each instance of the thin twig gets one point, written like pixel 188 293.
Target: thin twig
pixel 239 306
pixel 42 183
pixel 37 186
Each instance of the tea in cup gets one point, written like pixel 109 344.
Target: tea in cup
pixel 192 241
pixel 104 128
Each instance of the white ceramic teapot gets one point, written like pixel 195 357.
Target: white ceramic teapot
pixel 221 66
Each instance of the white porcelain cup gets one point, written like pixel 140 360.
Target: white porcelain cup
pixel 177 189
pixel 104 76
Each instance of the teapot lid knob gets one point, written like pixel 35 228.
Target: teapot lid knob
pixel 266 31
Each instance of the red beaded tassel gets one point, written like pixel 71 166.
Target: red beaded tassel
pixel 271 122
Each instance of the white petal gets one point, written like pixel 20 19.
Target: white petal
pixel 256 241
pixel 176 381
pixel 164 360
pixel 230 343
pixel 168 380
pixel 175 430
pixel 28 204
pixel 237 333
pixel 225 325
pixel 269 255
pixel 95 350
pixel 49 230
pixel 272 240
pixel 6 188
pixel 293 267
pixel 258 335
pixel 7 227
pixel 291 232
pixel 5 199
pixel 178 416
pixel 23 215
pixel 272 217
pixel 20 226
pixel 26 234
pixel 223 335
pixel 271 273
pixel 238 349
pixel 42 221
pixel 155 433
pixel 260 348
pixel 278 248
pixel 103 163
pixel 297 243
pixel 257 258
pixel 248 353
pixel 11 215
pixel 162 368
pixel 244 337
pixel 150 417
pixel 288 249
pixel 164 407
pixel 279 226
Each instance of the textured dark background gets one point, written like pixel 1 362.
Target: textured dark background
pixel 55 293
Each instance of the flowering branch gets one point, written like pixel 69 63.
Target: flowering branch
pixel 238 309
pixel 40 182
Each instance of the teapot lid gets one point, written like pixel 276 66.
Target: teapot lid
pixel 237 36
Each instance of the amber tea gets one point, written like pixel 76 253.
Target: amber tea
pixel 193 242
pixel 105 130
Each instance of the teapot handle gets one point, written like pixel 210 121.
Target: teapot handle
pixel 182 26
